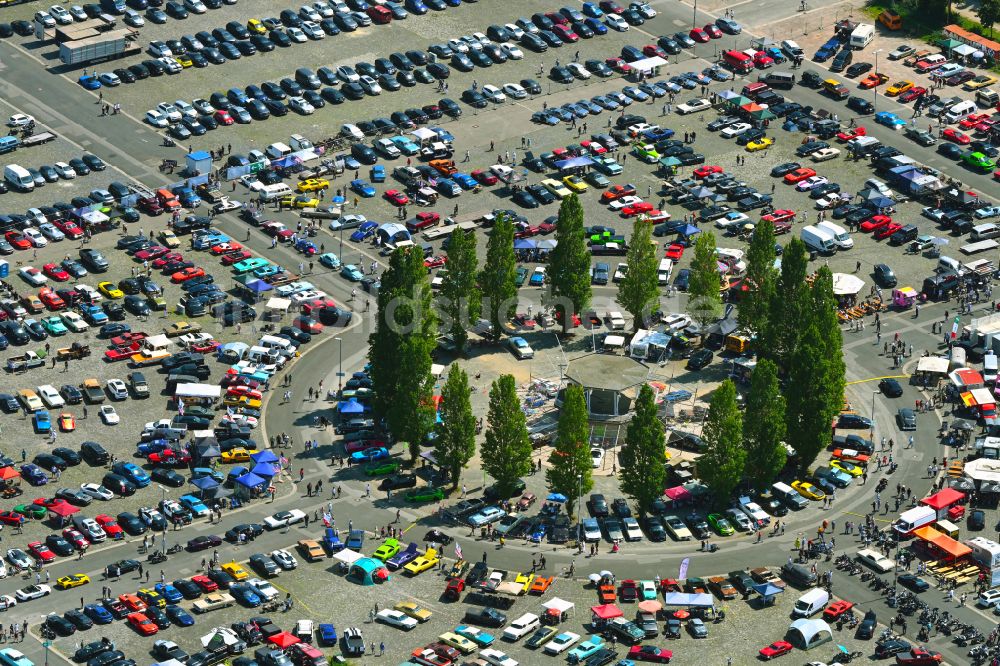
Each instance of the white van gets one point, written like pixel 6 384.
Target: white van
pixel 987 97
pixel 521 627
pixel 960 111
pixel 299 142
pixel 811 603
pixel 18 178
pixel 913 519
pixel 819 240
pixel 263 356
pixel 273 192
pixel 990 368
pixel 840 237
pixel 664 271
pixel 946 264
pixel 278 150
pixel 279 345
pixel 985 232
pixel 862 36
pixel 791 49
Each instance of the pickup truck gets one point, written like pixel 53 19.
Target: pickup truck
pixel 37 139
pixel 214 601
pixel 25 361
pixel 74 351
pixel 92 391
pixel 722 587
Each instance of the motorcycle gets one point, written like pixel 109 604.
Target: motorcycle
pixel 156 557
pixel 176 548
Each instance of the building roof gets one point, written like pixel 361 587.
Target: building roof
pixel 606 371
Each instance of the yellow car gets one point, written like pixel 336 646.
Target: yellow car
pixel 762 143
pixel 152 598
pixel 299 202
pixel 848 467
pixel 556 188
pixel 242 401
pixel 808 490
pixel 256 26
pixel 73 580
pixel 414 610
pixel 311 550
pixel 898 88
pixel 980 81
pixel 460 643
pixel 238 454
pixel 236 570
pixel 184 61
pixel 575 183
pixel 170 239
pixel 524 580
pixel 110 290
pixel 313 184
pixel 426 561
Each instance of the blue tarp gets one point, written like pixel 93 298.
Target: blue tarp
pixel 264 456
pixel 250 480
pixel 204 483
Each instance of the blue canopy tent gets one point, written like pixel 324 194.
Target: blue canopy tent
pixel 203 483
pixel 574 164
pixel 524 244
pixel 264 469
pixel 264 456
pixel 688 230
pixel 768 592
pixel 351 406
pixel 249 485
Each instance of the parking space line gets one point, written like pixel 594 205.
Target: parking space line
pixel 876 379
pixel 294 598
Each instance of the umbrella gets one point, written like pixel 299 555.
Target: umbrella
pixel 555 497
pixel 284 640
pixel 682 614
pixel 962 484
pixel 204 483
pixel 650 606
pixel 594 578
pixel 264 456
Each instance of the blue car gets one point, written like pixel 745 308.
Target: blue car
pixel 168 592
pixel 363 187
pixel 448 187
pixel 592 10
pixel 538 534
pixel 466 181
pixel 369 455
pixel 544 118
pixel 152 446
pixel 330 260
pixel 351 272
pixel 599 27
pixel 327 635
pixel 267 271
pixel 777 55
pixel 364 231
pixel 655 134
pixel 306 247
pixel 179 616
pixel 196 506
pixel 98 613
pixel 89 81
pixel 245 595
pixel 889 119
pixel 42 421
pixel 134 473
pixel 377 174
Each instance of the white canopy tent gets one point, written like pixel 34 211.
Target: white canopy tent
pixel 348 556
pixel 203 391
pixel 806 634
pixel 278 305
pixel 933 364
pixel 559 605
pixel 845 284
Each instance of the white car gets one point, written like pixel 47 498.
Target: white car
pixel 596 457
pixel 7 601
pixel 693 106
pixel 196 6
pixel 735 130
pixel 74 322
pixel 170 111
pixel 108 415
pixel 511 51
pixel 51 231
pixel 458 46
pixel 19 558
pixel 811 183
pixel 97 491
pixel 514 91
pixel 632 530
pixel 133 18
pixel 578 70
pixel 93 296
pixel 300 105
pixel 620 271
pixel 624 202
pixel 522 626
pixel 493 94
pixel 988 598
pixel 312 30
pixel 20 120
pixel 824 154
pixel 50 396
pixel 35 236
pixel 242 420
pixel 156 119
pixel 264 588
pixel 150 516
pixel 616 22
pixel 203 106
pixel 325 10
pixel 644 9
pixel 514 30
pixel 676 322
pixel 561 643
pixel 370 85
pixel 351 131
pixel 521 348
pixel 678 530
pixel 66 171
pixel 875 560
pixel 33 592
pixel 60 14
pixel 109 79
pixel 283 518
pixel 45 19
pixel 171 65
pixel 32 275
pixel 117 389
pixel 394 618
pixel 732 219
pixel 496 657
pixel 186 110
pixel 296 35
pixel 284 559
pixel 740 519
pixel 158 49
pixel 616 321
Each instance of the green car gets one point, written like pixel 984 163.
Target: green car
pixel 522 275
pixel 382 468
pixel 388 548
pixel 720 524
pixel 979 161
pixel 596 179
pixel 54 325
pixel 248 265
pixel 33 511
pixel 427 494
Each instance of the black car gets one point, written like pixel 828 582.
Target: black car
pixel 94 453
pixel 977 520
pixel 167 477
pixel 890 387
pixel 891 647
pixel 914 583
pixel 221 578
pixel 785 168
pixel 398 481
pixel 654 529
pixel 188 588
pixel 485 617
pixel 866 629
pixel 131 523
pixel 204 542
pixel 598 505
pixel 58 545
pixel 264 565
pixel 700 359
pixel 49 461
pixel 857 69
pixel 249 532
pixel 860 105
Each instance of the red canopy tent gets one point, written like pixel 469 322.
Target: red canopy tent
pixel 946 502
pixel 63 509
pixel 284 640
pixel 678 493
pixel 606 612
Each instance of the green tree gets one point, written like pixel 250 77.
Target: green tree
pixel 568 272
pixel 784 323
pixel 400 348
pixel 499 276
pixel 760 276
pixel 704 298
pixel 506 450
pixel 988 13
pixel 764 426
pixel 641 463
pixel 570 468
pixel 456 441
pixel 460 298
pixel 721 465
pixel 639 292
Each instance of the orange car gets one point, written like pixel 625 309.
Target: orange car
pixel 142 624
pixel 540 584
pixel 836 609
pixel 850 455
pixel 872 80
pixel 187 274
pixel 607 594
pixel 132 602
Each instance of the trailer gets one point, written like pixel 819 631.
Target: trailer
pixel 37 139
pixel 981 246
pixel 110 45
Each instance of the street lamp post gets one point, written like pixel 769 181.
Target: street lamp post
pixel 163 540
pixel 579 508
pixel 875 87
pixel 340 365
pixel 872 432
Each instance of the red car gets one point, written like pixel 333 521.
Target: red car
pixel 110 526
pixel 593 147
pixel 557 18
pixel 651 653
pixel 76 538
pixel 187 274
pixel 566 34
pixel 617 192
pixel 525 230
pixel 56 272
pixel 611 7
pixel 761 60
pixel 363 444
pixel 628 590
pixel 423 220
pixel 396 198
pixel 836 609
pixel 17 240
pixel 652 50
pixel 707 170
pixel 168 258
pixel 699 35
pixel 918 657
pixel 11 518
pixel 223 117
pixel 435 262
pixel 232 257
pixel 128 338
pixel 316 305
pixel 546 228
pixel 853 133
pixel 973 120
pixel 49 502
pixel 912 94
pixel 120 353
pixel 775 649
pixel 142 624
pixel 675 251
pixel 70 229
pixel 484 177
pixel 618 65
pixel 799 174
pixel 780 215
pixel 875 222
pixel 169 458
pixel 308 324
pixel 150 206
pixel 225 248
pixel 713 31
pixel 41 552
pixel 637 209
pixel 151 253
pixel 205 583
pixel 952 134
pixel 51 299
